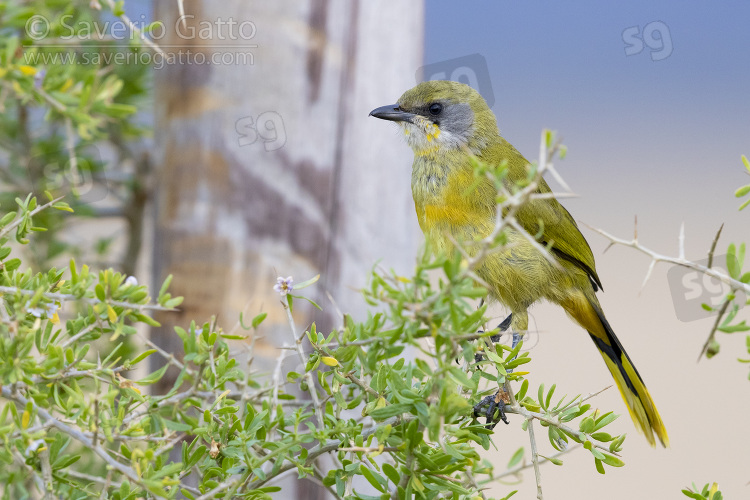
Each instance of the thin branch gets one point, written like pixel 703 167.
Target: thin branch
pixel 277 379
pixel 535 459
pixel 64 297
pixel 370 449
pixel 553 421
pixel 473 482
pixel 168 356
pixel 38 481
pixel 78 335
pixel 334 445
pixel 93 479
pixel 105 488
pixel 10 227
pixel 46 473
pixel 362 385
pixel 518 468
pixel 714 329
pixel 93 373
pixel 713 247
pixel 657 257
pixel 302 359
pixel 77 435
pixel 577 401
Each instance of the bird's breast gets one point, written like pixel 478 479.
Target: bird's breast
pixel 445 204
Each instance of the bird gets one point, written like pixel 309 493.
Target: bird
pixel 448 123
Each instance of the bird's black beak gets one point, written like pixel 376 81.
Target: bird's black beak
pixel 393 113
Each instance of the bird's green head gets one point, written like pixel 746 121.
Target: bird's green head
pixel 442 115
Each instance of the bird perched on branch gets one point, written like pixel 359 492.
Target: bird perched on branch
pixel 446 123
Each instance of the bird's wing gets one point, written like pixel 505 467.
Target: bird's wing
pixel 552 219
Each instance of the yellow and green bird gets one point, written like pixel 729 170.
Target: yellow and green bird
pixel 445 123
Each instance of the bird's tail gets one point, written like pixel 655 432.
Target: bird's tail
pixel 587 312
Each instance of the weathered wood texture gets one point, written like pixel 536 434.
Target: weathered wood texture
pixel 272 167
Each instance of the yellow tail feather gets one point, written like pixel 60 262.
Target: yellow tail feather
pixel 640 405
pixel 587 313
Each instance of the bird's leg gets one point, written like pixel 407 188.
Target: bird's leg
pixel 498 400
pixel 496 338
pixel 502 327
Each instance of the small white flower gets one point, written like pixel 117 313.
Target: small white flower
pixel 52 308
pixel 35 311
pixel 43 309
pixel 131 280
pixel 33 446
pixel 284 286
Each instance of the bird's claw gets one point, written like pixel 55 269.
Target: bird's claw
pixel 493 403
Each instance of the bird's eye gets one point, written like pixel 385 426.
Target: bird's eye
pixel 435 108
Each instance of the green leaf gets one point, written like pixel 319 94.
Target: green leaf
pixel 553 461
pixel 390 411
pixel 739 327
pixel 307 283
pixel 62 206
pixel 516 458
pixel 146 319
pixel 259 319
pixel 154 377
pixel 733 267
pixel 605 420
pixel 522 391
pixel 119 9
pixel 549 396
pixel 65 461
pixel 311 301
pixel 602 436
pixel 142 356
pixel 7 218
pixel 375 479
pixel 150 27
pixel 612 460
pixel 540 396
pixel 599 466
pixel 460 376
pixel 695 496
pixel 517 362
pixel 391 473
pixel 11 265
pixel 99 290
pixel 176 426
pixel 165 285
